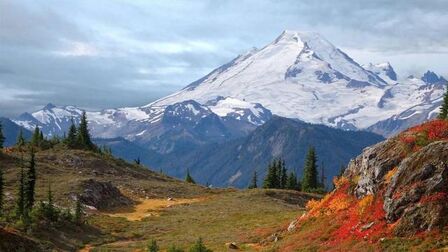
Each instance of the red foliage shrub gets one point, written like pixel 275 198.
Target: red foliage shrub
pixel 434 197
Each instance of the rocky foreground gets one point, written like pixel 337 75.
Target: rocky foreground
pixel 392 196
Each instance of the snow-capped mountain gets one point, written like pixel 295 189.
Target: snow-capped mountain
pixel 163 129
pixel 302 75
pixel 299 75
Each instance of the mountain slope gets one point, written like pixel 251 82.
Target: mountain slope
pixel 11 131
pixel 233 163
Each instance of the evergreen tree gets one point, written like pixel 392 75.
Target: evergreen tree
pixel 253 183
pixel 36 137
pixel 2 185
pixel 271 176
pixel 2 137
pixel 30 183
pixel 443 114
pixel 41 138
pixel 152 246
pixel 83 134
pixel 70 140
pixel 20 139
pixel 49 208
pixel 283 175
pixel 78 211
pixel 309 181
pixel 20 203
pixel 189 179
pixel 199 247
pixel 291 183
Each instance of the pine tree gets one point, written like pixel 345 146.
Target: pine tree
pixel 444 108
pixel 269 180
pixel 78 211
pixel 189 179
pixel 49 208
pixel 2 137
pixel 83 134
pixel 253 183
pixel 20 203
pixel 20 139
pixel 283 175
pixel 199 247
pixel 70 140
pixel 30 183
pixel 2 185
pixel 309 181
pixel 36 137
pixel 152 246
pixel 291 184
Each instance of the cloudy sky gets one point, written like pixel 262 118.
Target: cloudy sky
pixel 112 53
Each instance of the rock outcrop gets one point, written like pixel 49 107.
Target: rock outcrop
pixel 103 195
pixel 410 173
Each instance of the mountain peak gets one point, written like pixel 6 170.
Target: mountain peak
pixel 430 77
pixel 298 36
pixel 49 106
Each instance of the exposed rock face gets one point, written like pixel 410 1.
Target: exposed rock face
pixel 369 168
pixel 103 195
pixel 416 195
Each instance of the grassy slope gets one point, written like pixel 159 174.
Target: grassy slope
pixel 244 217
pixel 226 215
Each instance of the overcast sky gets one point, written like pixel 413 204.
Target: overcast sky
pixel 104 53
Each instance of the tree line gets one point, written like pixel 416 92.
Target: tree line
pixel 278 177
pixel 25 212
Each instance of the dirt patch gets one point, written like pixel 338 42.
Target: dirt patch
pixel 150 207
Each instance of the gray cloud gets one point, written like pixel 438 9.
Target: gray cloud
pixel 99 54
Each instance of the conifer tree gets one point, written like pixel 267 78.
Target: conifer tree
pixel 2 137
pixel 83 133
pixel 78 211
pixel 70 140
pixel 189 179
pixel 443 114
pixel 20 139
pixel 20 203
pixel 49 208
pixel 30 183
pixel 36 137
pixel 292 184
pixel 284 175
pixel 309 181
pixel 2 185
pixel 253 183
pixel 271 178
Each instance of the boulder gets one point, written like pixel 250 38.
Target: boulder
pixel 102 195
